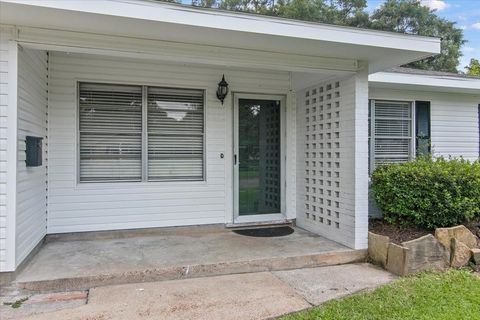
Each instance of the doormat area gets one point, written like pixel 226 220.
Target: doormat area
pixel 266 232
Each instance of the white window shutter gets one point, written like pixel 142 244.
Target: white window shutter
pixel 110 127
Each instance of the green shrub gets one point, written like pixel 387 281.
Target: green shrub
pixel 428 193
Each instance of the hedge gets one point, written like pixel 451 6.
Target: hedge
pixel 428 193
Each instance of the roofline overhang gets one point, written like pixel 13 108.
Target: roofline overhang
pixel 416 82
pixel 236 29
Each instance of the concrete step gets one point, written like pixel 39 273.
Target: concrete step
pixel 161 273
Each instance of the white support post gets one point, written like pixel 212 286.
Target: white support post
pixel 332 160
pixel 361 160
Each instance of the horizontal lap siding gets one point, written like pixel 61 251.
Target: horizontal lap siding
pixel 31 181
pixel 454 120
pixel 455 128
pixel 107 206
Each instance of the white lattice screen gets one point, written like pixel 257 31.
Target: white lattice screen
pixel 332 160
pixel 322 156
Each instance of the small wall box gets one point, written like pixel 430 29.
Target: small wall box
pixel 34 151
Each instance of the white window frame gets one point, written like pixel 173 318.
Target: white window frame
pixel 144 144
pixel 371 137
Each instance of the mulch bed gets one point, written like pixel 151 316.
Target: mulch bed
pixel 400 234
pixel 396 233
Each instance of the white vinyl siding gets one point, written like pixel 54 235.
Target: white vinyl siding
pixel 175 134
pixel 32 185
pixel 455 131
pixel 391 132
pixel 454 120
pixel 110 132
pixel 74 207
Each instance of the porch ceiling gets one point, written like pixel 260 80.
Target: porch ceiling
pixel 180 24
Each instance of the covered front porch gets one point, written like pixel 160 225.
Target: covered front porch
pixel 134 136
pixel 85 260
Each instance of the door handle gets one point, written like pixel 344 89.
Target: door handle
pixel 235 159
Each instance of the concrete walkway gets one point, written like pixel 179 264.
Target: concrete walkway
pixel 261 295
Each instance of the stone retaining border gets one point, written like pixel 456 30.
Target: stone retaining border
pixel 450 247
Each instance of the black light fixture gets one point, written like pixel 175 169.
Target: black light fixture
pixel 222 89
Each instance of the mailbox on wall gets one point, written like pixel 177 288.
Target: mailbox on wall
pixel 33 150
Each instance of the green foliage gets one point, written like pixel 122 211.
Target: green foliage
pixel 454 294
pixel 16 304
pixel 410 16
pixel 428 193
pixel 339 12
pixel 474 68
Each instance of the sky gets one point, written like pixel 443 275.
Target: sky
pixel 466 13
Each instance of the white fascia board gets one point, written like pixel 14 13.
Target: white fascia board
pixel 424 82
pixel 256 24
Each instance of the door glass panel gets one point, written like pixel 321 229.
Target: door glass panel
pixel 259 156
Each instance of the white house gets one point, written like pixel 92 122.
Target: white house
pixel 123 95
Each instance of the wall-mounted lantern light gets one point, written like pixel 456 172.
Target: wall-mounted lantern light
pixel 222 89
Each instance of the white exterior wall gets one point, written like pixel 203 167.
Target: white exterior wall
pixel 31 218
pixel 8 109
pixel 76 207
pixel 454 120
pixel 332 167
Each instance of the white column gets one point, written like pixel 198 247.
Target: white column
pixel 332 160
pixel 361 160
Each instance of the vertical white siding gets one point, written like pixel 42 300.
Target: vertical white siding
pixel 106 206
pixel 332 163
pixel 32 121
pixel 454 120
pixel 8 92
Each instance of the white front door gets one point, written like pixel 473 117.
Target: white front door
pixel 259 165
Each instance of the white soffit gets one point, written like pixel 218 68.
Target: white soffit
pixel 438 83
pixel 161 21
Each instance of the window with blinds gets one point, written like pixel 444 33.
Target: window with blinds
pixel 175 134
pixel 140 133
pixel 110 132
pixel 390 132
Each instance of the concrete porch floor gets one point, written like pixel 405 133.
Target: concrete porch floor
pixel 83 261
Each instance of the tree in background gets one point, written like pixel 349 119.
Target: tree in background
pixel 473 69
pixel 409 16
pixel 405 16
pixel 339 12
pixel 266 7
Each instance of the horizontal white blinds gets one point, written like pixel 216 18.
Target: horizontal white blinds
pixel 392 131
pixel 116 124
pixel 175 133
pixel 110 123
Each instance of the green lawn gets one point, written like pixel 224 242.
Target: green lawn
pixel 440 296
pixel 247 200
